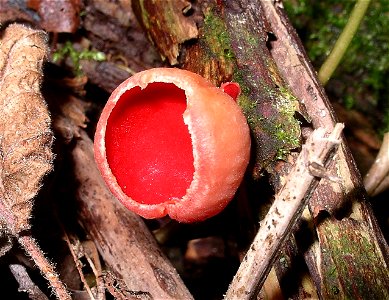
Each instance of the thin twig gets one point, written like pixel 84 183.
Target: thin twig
pixel 45 266
pixel 25 283
pixel 343 41
pixel 377 178
pixel 100 288
pixel 284 213
pixel 78 264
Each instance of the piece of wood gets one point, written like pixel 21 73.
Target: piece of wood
pixel 127 247
pixel 377 179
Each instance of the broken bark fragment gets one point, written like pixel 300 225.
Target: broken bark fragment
pixel 123 240
pixel 57 16
pixel 285 211
pixel 171 29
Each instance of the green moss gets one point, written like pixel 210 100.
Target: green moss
pixel 216 36
pixel 248 107
pixel 285 130
pixel 286 134
pixel 287 103
pixel 352 264
pixel 246 104
pixel 251 41
pixel 76 56
pixel 218 43
pixel 238 78
pixel 288 131
pixel 287 140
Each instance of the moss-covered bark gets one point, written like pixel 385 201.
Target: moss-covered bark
pixel 345 251
pixel 231 46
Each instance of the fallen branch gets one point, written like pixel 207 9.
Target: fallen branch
pixel 76 258
pixel 31 247
pixel 25 283
pixel 284 213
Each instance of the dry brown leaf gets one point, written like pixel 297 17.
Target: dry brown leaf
pixel 25 134
pixel 25 140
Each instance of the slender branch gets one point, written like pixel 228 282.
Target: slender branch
pixel 343 41
pixel 25 283
pixel 377 178
pixel 78 264
pixel 284 213
pixel 100 287
pixel 45 266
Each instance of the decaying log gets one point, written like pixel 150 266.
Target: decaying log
pixel 253 43
pixel 113 29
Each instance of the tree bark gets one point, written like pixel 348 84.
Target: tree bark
pixel 230 47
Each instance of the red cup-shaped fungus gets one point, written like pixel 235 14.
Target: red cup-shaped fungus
pixel 169 142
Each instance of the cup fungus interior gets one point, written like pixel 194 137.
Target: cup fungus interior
pixel 148 145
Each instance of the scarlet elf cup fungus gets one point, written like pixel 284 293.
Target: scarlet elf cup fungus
pixel 169 142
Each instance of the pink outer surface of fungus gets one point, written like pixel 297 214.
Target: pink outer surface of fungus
pixel 169 142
